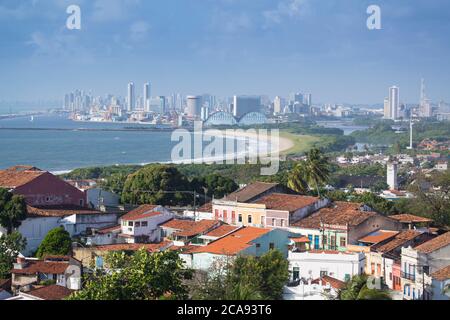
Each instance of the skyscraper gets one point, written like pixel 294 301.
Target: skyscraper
pixel 194 105
pixel 146 97
pixel 277 105
pixel 425 109
pixel 246 104
pixel 394 101
pixel 130 97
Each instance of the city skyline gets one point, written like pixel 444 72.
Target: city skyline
pixel 226 47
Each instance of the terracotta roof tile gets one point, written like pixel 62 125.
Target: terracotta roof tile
pixel 435 244
pixel 286 202
pixel 334 283
pixel 339 213
pixel 18 176
pixel 250 192
pixel 235 242
pixel 39 266
pixel 378 236
pixel 59 211
pixel 221 231
pixel 151 247
pixel 409 218
pixel 146 210
pixel 52 292
pixel 189 228
pixel 442 274
pixel 400 240
pixel 109 229
pixel 301 240
pixel 207 207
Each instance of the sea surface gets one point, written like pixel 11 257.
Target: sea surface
pixel 64 150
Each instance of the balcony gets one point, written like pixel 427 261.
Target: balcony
pixel 408 276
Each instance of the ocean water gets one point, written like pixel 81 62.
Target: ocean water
pixel 65 145
pixel 58 150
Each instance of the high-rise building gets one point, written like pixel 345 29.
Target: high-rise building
pixel 246 104
pixel 130 97
pixel 194 105
pixel 205 113
pixel 277 107
pixel 394 101
pixel 425 108
pixel 146 97
pixel 308 99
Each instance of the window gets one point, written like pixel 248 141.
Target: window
pixel 137 225
pixel 249 219
pixel 333 242
pixel 233 216
pixel 258 245
pixel 130 223
pixel 296 273
pixel 347 277
pixel 216 213
pixel 225 215
pixel 47 199
pixel 282 223
pixel 271 246
pixel 124 223
pixel 274 222
pixel 262 220
pixel 390 276
pixel 144 224
pixel 316 242
pixel 323 273
pixel 372 267
pixel 240 218
pixel 343 242
pixel 81 203
pixel 324 240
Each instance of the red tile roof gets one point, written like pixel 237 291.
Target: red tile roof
pixel 59 211
pixel 109 229
pixel 409 218
pixel 151 247
pixel 334 283
pixel 189 228
pixel 378 236
pixel 250 192
pixel 18 176
pixel 40 266
pixel 435 244
pixel 221 231
pixel 52 292
pixel 144 211
pixel 339 213
pixel 442 274
pixel 286 202
pixel 235 242
pixel 400 240
pixel 301 240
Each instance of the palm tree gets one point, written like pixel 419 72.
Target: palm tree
pixel 243 292
pixel 313 171
pixel 357 289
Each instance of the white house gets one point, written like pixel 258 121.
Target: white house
pixel 440 284
pixel 324 288
pixel 142 224
pixel 315 264
pixel 419 262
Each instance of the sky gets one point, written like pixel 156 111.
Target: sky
pixel 226 47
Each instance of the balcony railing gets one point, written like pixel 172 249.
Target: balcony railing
pixel 408 276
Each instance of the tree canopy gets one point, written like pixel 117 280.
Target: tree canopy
pixel 13 210
pixel 140 276
pixel 10 247
pixel 357 289
pixel 56 242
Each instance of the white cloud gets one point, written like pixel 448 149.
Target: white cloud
pixel 286 9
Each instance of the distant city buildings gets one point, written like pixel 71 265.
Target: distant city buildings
pixel 130 97
pixel 194 106
pixel 246 104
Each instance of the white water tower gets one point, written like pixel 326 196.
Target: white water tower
pixel 392 172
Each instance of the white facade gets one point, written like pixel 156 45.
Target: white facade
pixel 310 291
pixel 392 173
pixel 312 265
pixel 394 102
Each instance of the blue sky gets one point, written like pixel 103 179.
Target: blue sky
pixel 226 47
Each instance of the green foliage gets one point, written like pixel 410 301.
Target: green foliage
pixel 10 247
pixel 13 210
pixel 141 276
pixel 245 278
pixel 217 185
pixel 157 184
pixel 56 242
pixel 314 171
pixel 357 289
pixel 100 172
pixel 377 203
